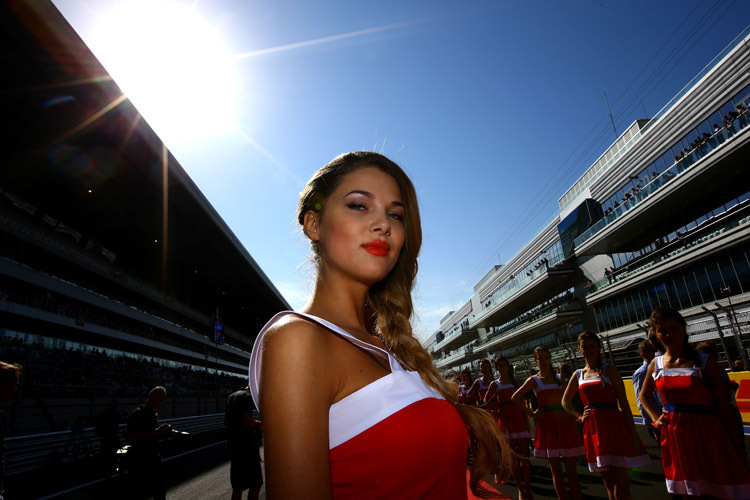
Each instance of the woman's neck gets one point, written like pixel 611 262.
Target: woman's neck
pixel 341 303
pixel 504 378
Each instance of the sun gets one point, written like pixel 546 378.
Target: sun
pixel 173 66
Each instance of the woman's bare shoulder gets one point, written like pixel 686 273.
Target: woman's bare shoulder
pixel 295 334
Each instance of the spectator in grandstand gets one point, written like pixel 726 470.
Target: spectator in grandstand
pixel 320 436
pixel 700 442
pixel 608 275
pixel 9 376
pixel 243 444
pixel 143 431
pixel 107 428
pixel 647 352
pixel 612 445
pixel 513 423
pixel 556 437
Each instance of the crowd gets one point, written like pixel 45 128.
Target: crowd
pixel 685 398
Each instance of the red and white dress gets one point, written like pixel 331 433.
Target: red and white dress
pixel 394 438
pixel 696 451
pixel 555 433
pixel 605 432
pixel 511 419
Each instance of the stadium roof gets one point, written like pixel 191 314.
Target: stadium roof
pixel 75 148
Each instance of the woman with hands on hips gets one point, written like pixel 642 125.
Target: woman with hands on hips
pixel 609 436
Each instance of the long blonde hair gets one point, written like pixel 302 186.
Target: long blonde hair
pixel 391 303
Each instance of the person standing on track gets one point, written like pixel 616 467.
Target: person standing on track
pixel 612 445
pixel 351 409
pixel 143 431
pixel 242 440
pixel 556 436
pixel 701 446
pixel 513 423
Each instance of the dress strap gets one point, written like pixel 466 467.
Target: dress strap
pixel 255 356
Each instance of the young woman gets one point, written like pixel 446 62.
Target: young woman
pixel 555 434
pixel 466 382
pixel 700 444
pixel 612 445
pixel 345 413
pixel 481 385
pixel 513 423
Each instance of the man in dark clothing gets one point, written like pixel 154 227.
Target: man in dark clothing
pixel 143 432
pixel 243 443
pixel 9 375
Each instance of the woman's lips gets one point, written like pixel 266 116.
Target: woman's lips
pixel 377 247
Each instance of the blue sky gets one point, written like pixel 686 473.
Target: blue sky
pixel 494 108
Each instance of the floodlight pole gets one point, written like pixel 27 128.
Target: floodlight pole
pixel 718 329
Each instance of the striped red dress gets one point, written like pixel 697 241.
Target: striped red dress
pixel 555 433
pixel 393 438
pixel 605 432
pixel 696 451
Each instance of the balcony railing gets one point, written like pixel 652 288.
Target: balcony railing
pixel 711 144
pixel 456 355
pixel 672 249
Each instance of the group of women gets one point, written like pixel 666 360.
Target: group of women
pixel 353 406
pixel 701 446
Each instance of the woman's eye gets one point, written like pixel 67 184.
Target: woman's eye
pixel 396 216
pixel 355 205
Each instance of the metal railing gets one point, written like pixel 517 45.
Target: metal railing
pixel 25 453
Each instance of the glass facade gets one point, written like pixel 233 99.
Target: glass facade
pixel 707 136
pixel 691 286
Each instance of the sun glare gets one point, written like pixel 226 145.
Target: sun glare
pixel 171 64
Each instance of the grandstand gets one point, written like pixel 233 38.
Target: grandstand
pixel 661 218
pixel 116 274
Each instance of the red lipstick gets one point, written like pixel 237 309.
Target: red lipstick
pixel 377 247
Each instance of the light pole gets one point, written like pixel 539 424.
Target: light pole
pixel 732 323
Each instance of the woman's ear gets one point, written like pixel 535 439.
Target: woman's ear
pixel 311 224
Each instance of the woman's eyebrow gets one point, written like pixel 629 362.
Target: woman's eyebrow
pixel 370 195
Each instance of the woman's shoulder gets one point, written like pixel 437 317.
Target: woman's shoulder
pixel 295 333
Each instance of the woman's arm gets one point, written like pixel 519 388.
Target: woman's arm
pixel 645 396
pixel 567 400
pixel 491 392
pixel 297 389
pixel 517 397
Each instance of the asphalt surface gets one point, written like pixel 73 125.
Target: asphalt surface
pixel 204 475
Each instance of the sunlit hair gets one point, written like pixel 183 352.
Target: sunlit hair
pixel 391 303
pixel 586 335
pixel 511 375
pixel 659 315
pixel 9 372
pixel 537 351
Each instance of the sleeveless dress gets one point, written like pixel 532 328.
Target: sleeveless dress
pixel 605 433
pixel 696 451
pixel 511 419
pixel 555 433
pixel 394 438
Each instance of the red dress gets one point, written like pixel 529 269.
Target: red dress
pixel 696 450
pixel 555 433
pixel 394 438
pixel 605 433
pixel 511 419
